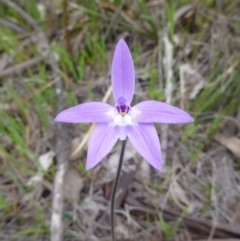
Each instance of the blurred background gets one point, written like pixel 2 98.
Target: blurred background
pixel 56 54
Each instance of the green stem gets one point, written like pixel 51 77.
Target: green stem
pixel 115 186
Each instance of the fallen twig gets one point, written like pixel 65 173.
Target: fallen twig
pixel 197 224
pixel 12 26
pixel 168 91
pixel 168 72
pixel 114 18
pixel 22 66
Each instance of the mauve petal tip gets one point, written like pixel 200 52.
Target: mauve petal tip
pixel 88 167
pixel 191 119
pixel 122 46
pixel 121 41
pixel 186 119
pixel 160 167
pixel 57 118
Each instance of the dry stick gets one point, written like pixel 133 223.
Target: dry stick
pixel 168 72
pixel 160 72
pixel 13 106
pixel 12 26
pixel 61 131
pixel 65 21
pixel 182 86
pixel 114 18
pixel 214 200
pixel 22 66
pixel 198 224
pixel 218 239
pixel 48 85
pixel 168 91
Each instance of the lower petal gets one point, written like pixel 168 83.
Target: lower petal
pixel 145 139
pixel 121 132
pixel 102 140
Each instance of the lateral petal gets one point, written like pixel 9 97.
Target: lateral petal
pixel 145 139
pixel 123 74
pixel 87 112
pixel 102 140
pixel 154 111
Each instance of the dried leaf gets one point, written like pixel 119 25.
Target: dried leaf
pixel 179 195
pixel 230 142
pixel 5 60
pixel 144 171
pixel 90 207
pixel 45 160
pixel 192 82
pixel 73 184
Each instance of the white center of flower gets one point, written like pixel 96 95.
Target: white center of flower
pixel 123 120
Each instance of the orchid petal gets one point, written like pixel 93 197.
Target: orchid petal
pixel 88 112
pixel 145 139
pixel 102 140
pixel 123 75
pixel 154 111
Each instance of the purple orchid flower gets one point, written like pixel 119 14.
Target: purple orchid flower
pixel 123 120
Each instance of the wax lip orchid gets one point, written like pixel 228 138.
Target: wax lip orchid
pixel 123 120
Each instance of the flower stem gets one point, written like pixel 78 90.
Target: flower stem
pixel 115 186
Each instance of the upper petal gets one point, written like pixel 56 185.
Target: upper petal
pixel 145 139
pixel 102 140
pixel 123 75
pixel 87 112
pixel 154 111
